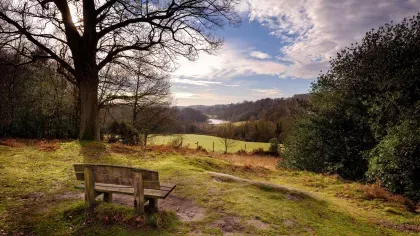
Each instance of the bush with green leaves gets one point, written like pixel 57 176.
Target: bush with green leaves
pixel 274 148
pixel 331 136
pixel 177 141
pixel 395 161
pixel 123 132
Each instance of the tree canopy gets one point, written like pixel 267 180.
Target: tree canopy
pixel 365 112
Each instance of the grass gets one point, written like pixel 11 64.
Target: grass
pixel 206 141
pixel 250 160
pixel 37 188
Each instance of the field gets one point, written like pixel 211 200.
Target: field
pixel 207 141
pixel 37 196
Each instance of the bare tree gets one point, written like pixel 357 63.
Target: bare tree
pixel 150 99
pixel 152 119
pixel 83 37
pixel 226 133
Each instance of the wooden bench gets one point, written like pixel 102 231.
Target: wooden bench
pixel 108 179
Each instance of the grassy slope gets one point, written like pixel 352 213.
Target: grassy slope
pixel 335 209
pixel 206 141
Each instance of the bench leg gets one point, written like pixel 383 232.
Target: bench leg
pixel 153 204
pixel 108 197
pixel 138 192
pixel 90 193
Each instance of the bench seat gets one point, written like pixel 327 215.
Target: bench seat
pixel 102 179
pixel 162 193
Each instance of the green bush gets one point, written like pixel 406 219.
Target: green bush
pixel 123 132
pixel 274 146
pixel 241 152
pixel 303 150
pixel 177 141
pixel 395 161
pixel 258 152
pixel 332 136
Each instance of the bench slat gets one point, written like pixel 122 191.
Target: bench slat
pixel 161 193
pixel 120 175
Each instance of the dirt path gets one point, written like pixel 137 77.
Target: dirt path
pixel 291 193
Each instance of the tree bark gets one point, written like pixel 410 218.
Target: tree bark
pixel 89 110
pixel 145 140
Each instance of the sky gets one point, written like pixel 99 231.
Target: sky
pixel 280 48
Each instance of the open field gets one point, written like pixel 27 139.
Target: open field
pixel 206 141
pixel 37 196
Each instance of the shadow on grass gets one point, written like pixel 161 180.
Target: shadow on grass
pixel 93 151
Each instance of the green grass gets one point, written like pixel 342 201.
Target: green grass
pixel 334 207
pixel 206 141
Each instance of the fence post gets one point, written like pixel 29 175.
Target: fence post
pixel 213 146
pixel 245 147
pixel 197 144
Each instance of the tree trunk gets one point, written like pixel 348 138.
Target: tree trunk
pixel 145 140
pixel 89 110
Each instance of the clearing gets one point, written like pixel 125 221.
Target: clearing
pixel 37 196
pixel 206 141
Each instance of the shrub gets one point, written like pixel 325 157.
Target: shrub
pixel 177 141
pixel 274 147
pixel 48 146
pixel 375 191
pixel 332 137
pixel 121 131
pixel 11 143
pixel 395 161
pixel 201 149
pixel 113 130
pixel 259 152
pixel 241 152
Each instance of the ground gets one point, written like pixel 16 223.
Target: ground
pixel 206 141
pixel 37 196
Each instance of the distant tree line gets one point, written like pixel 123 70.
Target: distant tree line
pixel 264 109
pixel 256 121
pixel 363 121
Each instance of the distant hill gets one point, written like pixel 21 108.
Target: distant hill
pixel 268 108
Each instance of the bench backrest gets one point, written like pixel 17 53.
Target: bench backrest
pixel 119 175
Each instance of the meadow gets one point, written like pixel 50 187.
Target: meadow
pixel 37 196
pixel 206 141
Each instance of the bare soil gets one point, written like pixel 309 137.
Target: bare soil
pixel 258 224
pixel 186 209
pixel 228 224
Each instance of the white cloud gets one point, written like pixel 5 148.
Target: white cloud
pixel 204 98
pixel 266 92
pixel 200 82
pixel 229 62
pixel 194 82
pixel 316 30
pixel 215 97
pixel 183 95
pixel 259 55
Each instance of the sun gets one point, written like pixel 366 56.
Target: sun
pixel 75 16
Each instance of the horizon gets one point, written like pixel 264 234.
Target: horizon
pixel 279 49
pixel 239 102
